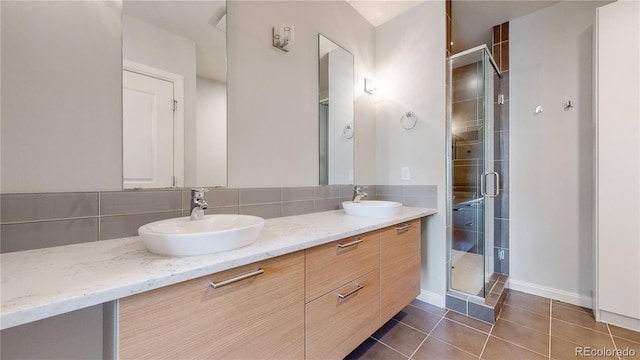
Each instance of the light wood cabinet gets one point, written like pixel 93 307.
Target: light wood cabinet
pixel 399 267
pixel 261 317
pixel 331 265
pixel 320 303
pixel 337 322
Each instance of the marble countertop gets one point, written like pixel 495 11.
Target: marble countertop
pixel 38 284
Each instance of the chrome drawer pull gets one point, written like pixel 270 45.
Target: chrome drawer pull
pixel 358 288
pixel 405 227
pixel 355 242
pixel 237 278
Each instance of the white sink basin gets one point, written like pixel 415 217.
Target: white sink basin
pixel 215 233
pixel 372 208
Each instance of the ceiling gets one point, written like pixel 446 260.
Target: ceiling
pixel 472 19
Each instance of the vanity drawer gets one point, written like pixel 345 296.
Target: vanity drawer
pixel 258 317
pixel 335 326
pixel 334 264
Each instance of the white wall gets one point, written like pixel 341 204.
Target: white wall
pixel 410 76
pixel 211 133
pixel 551 153
pixel 273 96
pixel 618 164
pixel 61 96
pixel 149 45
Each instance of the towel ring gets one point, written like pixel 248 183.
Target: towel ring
pixel 347 132
pixel 409 120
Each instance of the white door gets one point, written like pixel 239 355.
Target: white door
pixel 148 115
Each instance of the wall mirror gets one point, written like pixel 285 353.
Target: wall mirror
pixel 174 94
pixel 336 114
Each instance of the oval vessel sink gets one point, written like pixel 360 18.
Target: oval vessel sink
pixel 215 233
pixel 372 208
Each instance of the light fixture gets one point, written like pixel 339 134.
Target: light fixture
pixel 283 36
pixel 222 23
pixel 369 86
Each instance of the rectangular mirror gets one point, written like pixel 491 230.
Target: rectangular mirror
pixel 174 94
pixel 336 114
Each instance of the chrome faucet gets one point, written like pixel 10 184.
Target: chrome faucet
pixel 198 204
pixel 358 194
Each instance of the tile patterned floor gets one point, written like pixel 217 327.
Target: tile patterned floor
pixel 528 327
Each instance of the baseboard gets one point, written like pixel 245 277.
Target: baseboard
pixel 551 293
pixel 620 320
pixel 432 298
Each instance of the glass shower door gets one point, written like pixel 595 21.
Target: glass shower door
pixel 473 180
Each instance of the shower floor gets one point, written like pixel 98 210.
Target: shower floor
pixel 466 272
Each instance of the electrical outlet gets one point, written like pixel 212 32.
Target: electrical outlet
pixel 350 174
pixel 404 172
pixel 501 254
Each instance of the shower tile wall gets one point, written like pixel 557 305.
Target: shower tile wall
pixel 466 152
pixel 501 154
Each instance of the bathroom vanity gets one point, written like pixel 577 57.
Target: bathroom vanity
pixel 311 286
pixel 317 303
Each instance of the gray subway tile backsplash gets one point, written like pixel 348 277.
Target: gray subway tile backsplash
pixel 137 202
pixel 267 211
pixel 47 206
pixel 326 192
pixel 420 201
pixel 113 227
pixel 420 190
pixel 260 196
pixel 219 198
pixel 397 198
pixel 43 234
pixel 219 210
pixel 326 204
pixel 297 207
pixel 391 190
pixel 31 221
pixel 297 194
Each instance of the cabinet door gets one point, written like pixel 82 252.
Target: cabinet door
pixel 334 264
pixel 260 317
pixel 399 267
pixel 342 319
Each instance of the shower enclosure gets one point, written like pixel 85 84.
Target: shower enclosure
pixel 472 181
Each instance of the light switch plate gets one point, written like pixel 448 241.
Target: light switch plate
pixel 405 173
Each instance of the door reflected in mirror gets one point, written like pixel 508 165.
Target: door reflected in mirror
pixel 174 94
pixel 336 113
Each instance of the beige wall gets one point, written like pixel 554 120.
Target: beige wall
pixel 273 96
pixel 551 154
pixel 410 74
pixel 61 96
pixel 61 112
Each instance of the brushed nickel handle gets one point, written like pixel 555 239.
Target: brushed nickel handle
pixel 483 184
pixel 404 227
pixel 355 242
pixel 236 279
pixel 358 288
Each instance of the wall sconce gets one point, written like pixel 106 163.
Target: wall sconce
pixel 369 86
pixel 283 36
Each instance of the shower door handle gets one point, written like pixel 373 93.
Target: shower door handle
pixel 483 184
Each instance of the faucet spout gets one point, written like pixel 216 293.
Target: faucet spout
pixel 358 194
pixel 198 204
